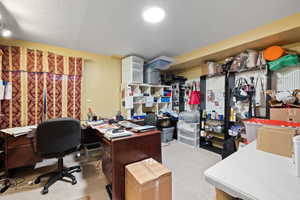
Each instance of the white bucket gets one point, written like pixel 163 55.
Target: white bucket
pixel 296 141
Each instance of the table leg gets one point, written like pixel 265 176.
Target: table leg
pixel 220 195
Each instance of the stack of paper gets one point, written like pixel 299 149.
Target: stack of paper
pixel 95 124
pixel 127 124
pixel 18 131
pixel 112 135
pixel 144 128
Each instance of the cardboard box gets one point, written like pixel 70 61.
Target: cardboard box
pixel 285 114
pixel 276 140
pixel 147 180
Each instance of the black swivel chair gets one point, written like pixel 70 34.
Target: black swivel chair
pixel 55 139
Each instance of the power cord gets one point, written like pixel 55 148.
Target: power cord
pixel 7 183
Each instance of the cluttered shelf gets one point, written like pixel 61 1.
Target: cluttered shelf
pixel 216 135
pixel 211 148
pixel 256 68
pixel 140 99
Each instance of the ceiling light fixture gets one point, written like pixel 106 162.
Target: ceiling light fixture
pixel 154 15
pixel 6 33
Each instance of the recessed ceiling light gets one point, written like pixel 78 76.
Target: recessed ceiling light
pixel 6 33
pixel 154 15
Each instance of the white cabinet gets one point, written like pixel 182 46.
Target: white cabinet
pixel 138 99
pixel 132 70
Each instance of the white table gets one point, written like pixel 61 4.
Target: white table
pixel 251 174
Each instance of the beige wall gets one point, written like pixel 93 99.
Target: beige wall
pixel 101 86
pixel 192 73
pixel 101 77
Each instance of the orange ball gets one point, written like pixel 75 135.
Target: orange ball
pixel 273 53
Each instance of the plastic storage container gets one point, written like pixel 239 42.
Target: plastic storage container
pixel 188 134
pixel 251 126
pixel 251 130
pixel 192 127
pixel 161 63
pixel 152 76
pixel 167 134
pixel 296 141
pixel 165 99
pixel 132 70
pixel 190 117
pixel 191 142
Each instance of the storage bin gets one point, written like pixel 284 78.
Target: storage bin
pixel 251 126
pixel 212 68
pixel 251 130
pixel 137 117
pixel 191 142
pixel 132 70
pixel 152 76
pixel 188 134
pixel 167 134
pixel 161 63
pixel 190 116
pixel 165 99
pixel 192 127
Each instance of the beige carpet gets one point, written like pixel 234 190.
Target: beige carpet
pixel 90 183
pixel 187 165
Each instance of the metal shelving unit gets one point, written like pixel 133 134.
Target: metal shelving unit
pixel 230 77
pixel 214 143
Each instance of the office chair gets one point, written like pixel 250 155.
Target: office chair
pixel 55 139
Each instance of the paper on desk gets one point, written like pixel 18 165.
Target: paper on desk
pixel 129 102
pixel 149 101
pixel 110 135
pixel 8 91
pixel 95 124
pixel 18 131
pixel 2 89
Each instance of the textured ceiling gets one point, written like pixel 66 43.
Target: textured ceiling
pixel 116 26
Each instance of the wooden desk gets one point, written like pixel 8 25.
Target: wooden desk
pixel 122 151
pixel 18 151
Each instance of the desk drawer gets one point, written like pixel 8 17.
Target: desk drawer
pixel 17 141
pixel 21 156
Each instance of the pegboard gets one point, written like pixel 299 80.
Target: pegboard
pixel 260 81
pixel 287 79
pixel 216 86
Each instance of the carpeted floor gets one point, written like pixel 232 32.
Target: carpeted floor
pixel 187 165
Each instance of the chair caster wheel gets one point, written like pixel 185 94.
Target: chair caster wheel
pixel 74 182
pixel 44 191
pixel 37 181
